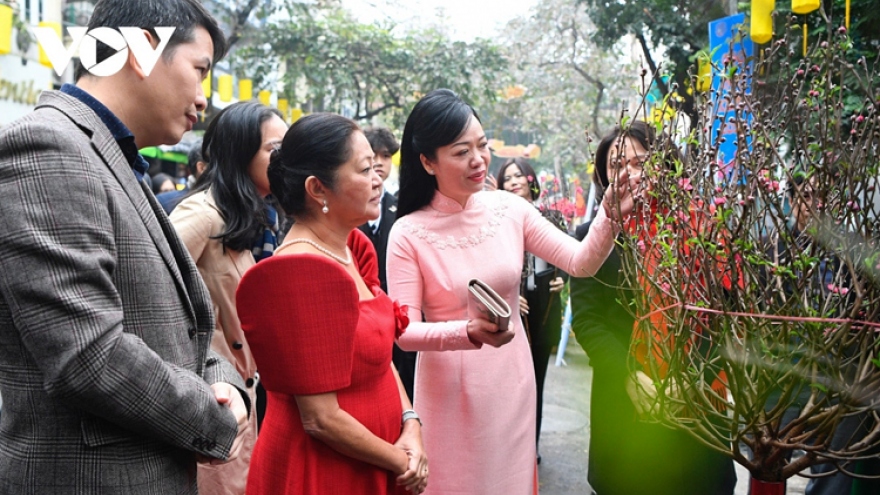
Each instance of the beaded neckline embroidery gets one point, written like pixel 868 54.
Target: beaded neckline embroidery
pixel 449 241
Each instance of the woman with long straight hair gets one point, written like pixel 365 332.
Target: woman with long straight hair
pixel 228 225
pixel 475 384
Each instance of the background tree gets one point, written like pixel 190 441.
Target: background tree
pixel 669 32
pixel 563 85
pixel 238 17
pixel 327 61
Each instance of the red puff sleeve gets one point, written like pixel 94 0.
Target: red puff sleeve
pixel 299 313
pixel 364 254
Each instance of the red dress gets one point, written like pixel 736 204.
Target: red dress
pixel 310 334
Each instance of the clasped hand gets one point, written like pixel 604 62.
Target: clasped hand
pixel 415 478
pixel 486 332
pixel 229 396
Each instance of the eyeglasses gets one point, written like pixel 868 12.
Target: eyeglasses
pixel 633 161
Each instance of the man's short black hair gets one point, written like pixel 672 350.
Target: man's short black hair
pixel 380 139
pixel 184 15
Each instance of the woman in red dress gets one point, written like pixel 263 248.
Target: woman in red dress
pixel 321 330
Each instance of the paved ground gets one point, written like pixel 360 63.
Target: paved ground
pixel 566 431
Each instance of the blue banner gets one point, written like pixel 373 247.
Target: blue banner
pixel 730 47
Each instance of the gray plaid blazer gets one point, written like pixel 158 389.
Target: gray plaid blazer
pixel 105 324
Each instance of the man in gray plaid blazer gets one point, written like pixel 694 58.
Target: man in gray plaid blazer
pixel 107 381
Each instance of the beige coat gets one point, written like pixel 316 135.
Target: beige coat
pixel 197 220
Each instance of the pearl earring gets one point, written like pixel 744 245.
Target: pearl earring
pixel 325 209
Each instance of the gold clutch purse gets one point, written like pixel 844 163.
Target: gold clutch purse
pixel 484 302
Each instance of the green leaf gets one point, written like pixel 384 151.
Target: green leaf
pixel 820 387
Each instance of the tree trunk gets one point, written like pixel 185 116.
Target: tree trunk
pixel 557 168
pixel 730 6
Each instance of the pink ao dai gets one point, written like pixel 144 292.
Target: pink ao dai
pixel 477 403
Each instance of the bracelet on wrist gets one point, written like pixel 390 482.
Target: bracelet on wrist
pixel 408 415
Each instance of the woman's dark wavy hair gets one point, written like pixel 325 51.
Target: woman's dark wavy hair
pixel 316 145
pixel 526 169
pixel 637 130
pixel 435 121
pixel 232 139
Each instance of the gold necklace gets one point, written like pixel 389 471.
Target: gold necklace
pixel 344 261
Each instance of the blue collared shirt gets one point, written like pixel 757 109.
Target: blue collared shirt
pixel 120 132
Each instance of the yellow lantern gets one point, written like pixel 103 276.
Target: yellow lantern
pixel 206 84
pixel 282 106
pixel 762 20
pixel 44 59
pixel 805 38
pixel 5 29
pixel 295 114
pixel 265 96
pixel 847 15
pixel 804 6
pixel 224 87
pixel 245 90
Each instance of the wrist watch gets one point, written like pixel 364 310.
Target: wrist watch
pixel 408 415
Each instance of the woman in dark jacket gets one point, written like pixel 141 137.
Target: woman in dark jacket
pixel 629 456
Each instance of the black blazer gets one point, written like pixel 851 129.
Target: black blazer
pixel 380 238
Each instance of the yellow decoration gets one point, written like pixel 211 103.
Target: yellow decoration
pixel 265 97
pixel 282 106
pixel 805 39
pixel 704 74
pixel 804 6
pixel 517 151
pixel 511 92
pixel 44 59
pixel 206 84
pixel 666 113
pixel 762 20
pixel 532 151
pixel 224 87
pixel 395 158
pixel 5 29
pixel 847 15
pixel 245 90
pixel 295 114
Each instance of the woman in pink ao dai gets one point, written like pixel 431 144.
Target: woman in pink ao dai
pixel 475 384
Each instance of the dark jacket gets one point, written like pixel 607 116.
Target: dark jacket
pixel 629 456
pixel 380 238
